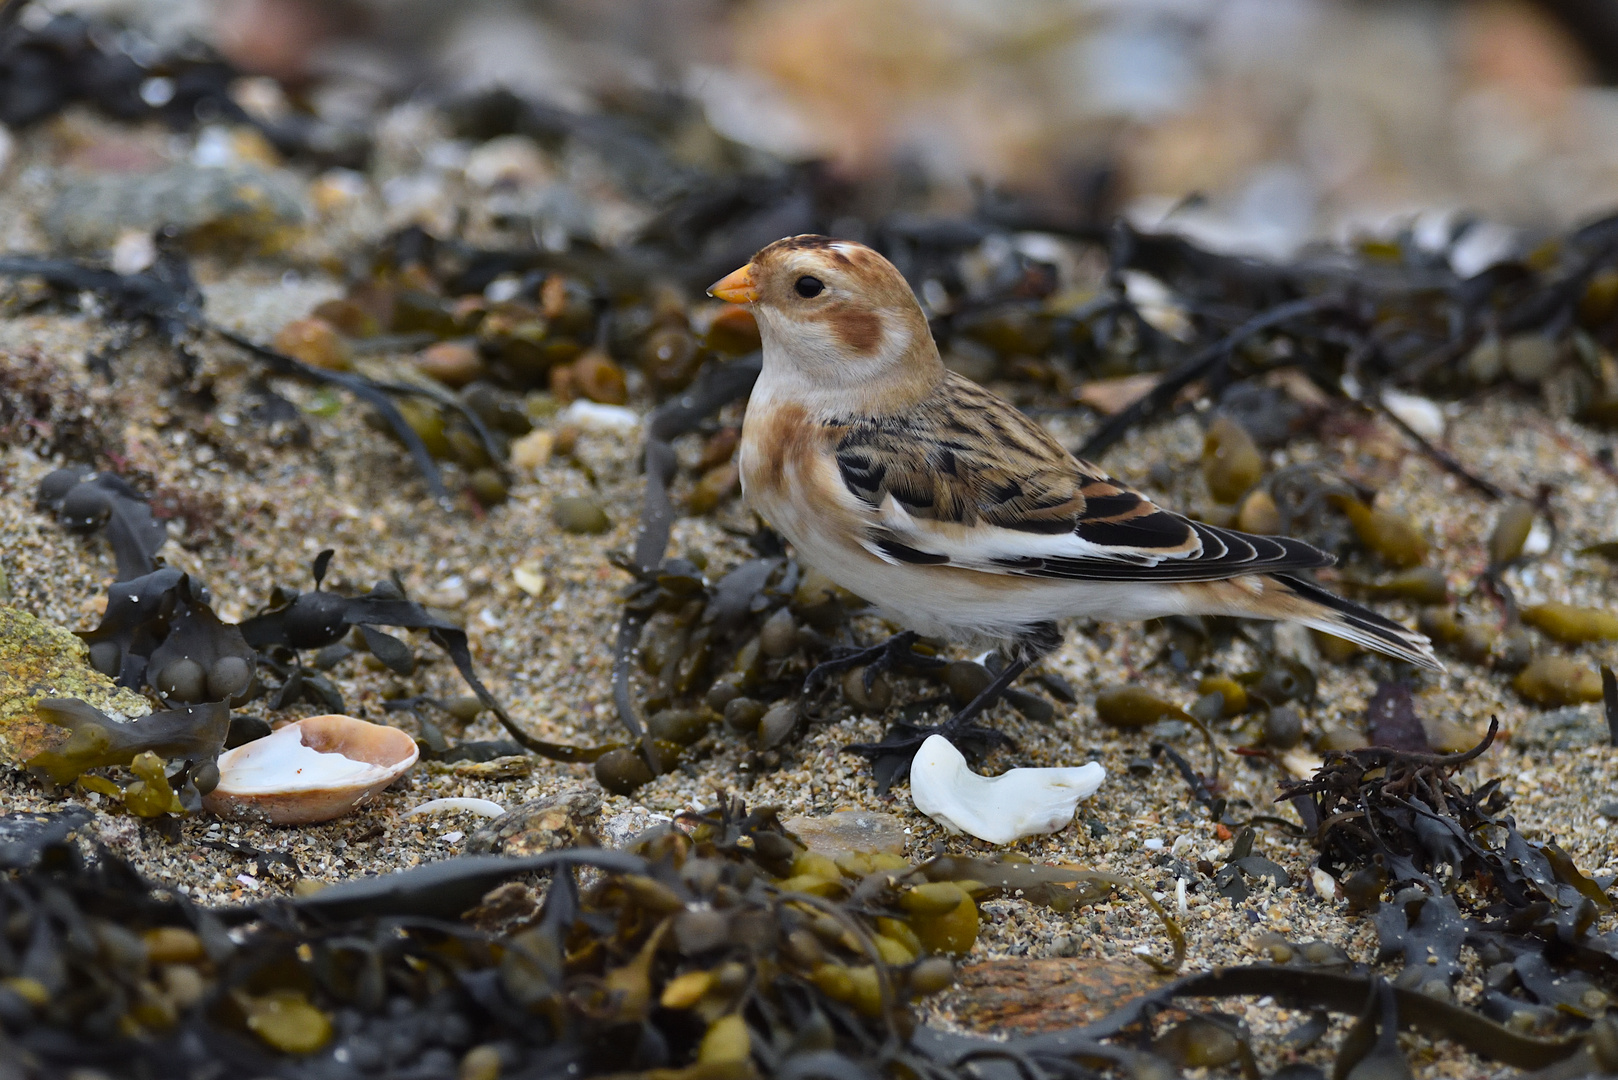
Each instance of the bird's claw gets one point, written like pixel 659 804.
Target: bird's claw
pixel 896 652
pixel 891 756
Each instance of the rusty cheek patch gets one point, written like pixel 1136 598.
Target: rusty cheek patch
pixel 859 331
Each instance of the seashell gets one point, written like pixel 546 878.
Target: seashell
pixel 593 416
pixel 313 770
pixel 999 809
pixel 482 807
pixel 1422 415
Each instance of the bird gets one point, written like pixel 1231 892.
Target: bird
pixel 957 515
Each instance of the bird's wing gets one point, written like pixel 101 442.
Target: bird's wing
pixel 967 480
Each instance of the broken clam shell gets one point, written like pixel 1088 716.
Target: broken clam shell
pixel 313 770
pixel 999 809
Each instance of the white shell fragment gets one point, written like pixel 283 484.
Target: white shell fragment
pixel 999 809
pixel 1424 416
pixel 594 417
pixel 313 770
pixel 481 807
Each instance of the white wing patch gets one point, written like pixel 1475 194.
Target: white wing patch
pixel 990 547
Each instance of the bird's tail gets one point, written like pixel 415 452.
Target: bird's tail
pixel 1292 599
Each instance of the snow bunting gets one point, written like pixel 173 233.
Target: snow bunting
pixel 957 515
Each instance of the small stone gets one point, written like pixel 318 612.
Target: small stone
pixel 580 514
pixel 504 907
pixel 844 832
pixel 488 487
pixel 480 1063
pixel 529 579
pixel 779 635
pixel 315 342
pixel 1339 737
pixel 351 318
pixel 1530 357
pixel 506 767
pixel 1571 727
pixel 286 1020
pixel 716 486
pixel 778 722
pixel 508 161
pixel 532 450
pixel 1112 396
pixel 1259 514
pixel 733 330
pixel 623 770
pixel 1031 706
pixel 238 205
pixel 596 377
pixel 1609 809
pixel 966 679
pixel 620 829
pixel 560 820
pixel 453 363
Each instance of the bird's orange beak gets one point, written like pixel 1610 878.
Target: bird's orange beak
pixel 736 287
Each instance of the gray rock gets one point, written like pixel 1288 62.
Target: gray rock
pixel 1570 728
pixel 620 830
pixel 556 821
pixel 847 831
pixel 241 203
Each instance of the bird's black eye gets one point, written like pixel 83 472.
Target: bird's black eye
pixel 809 287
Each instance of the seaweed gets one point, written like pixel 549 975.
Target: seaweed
pixel 296 621
pixel 166 301
pixel 88 502
pixel 66 59
pixel 1397 820
pixel 195 732
pixel 714 947
pixel 158 630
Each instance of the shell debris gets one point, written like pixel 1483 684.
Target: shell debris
pixel 999 809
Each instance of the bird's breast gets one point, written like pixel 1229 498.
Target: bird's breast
pixel 779 444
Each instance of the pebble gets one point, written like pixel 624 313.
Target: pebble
pixel 621 828
pixel 845 831
pixel 557 820
pixel 1571 727
pixel 580 514
pixel 315 342
pixel 532 450
pixel 592 416
pixel 251 205
pixel 453 363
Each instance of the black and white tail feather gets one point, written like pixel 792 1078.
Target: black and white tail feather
pixel 1333 615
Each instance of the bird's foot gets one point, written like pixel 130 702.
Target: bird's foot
pixel 893 754
pixel 890 758
pixel 896 652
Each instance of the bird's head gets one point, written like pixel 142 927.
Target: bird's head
pixel 837 317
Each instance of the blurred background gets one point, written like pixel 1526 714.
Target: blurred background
pixel 1257 124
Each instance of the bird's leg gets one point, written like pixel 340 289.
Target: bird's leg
pixel 893 754
pixel 897 651
pixel 985 699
